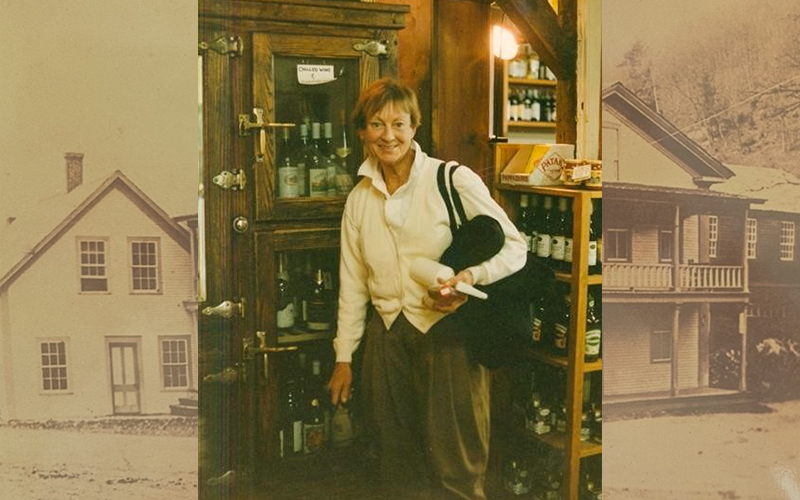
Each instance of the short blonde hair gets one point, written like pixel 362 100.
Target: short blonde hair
pixel 379 94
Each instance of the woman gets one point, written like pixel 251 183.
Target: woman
pixel 428 402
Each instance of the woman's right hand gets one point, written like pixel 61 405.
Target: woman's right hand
pixel 339 384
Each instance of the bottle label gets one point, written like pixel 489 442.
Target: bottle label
pixel 592 253
pixel 318 315
pixel 301 179
pixel 536 331
pixel 543 246
pixel 313 437
pixel 592 339
pixel 557 248
pixel 297 436
pixel 288 184
pixel 318 182
pixel 567 249
pixel 560 340
pixel 331 170
pixel 534 241
pixel 286 316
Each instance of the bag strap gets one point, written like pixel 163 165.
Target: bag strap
pixel 440 181
pixel 456 197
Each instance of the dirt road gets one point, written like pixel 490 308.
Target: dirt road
pixel 708 456
pixel 63 465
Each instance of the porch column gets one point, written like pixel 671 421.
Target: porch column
pixel 743 332
pixel 676 322
pixel 676 250
pixel 702 347
pixel 745 260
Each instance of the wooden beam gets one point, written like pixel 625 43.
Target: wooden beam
pixel 540 25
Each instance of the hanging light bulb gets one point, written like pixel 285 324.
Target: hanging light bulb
pixel 504 45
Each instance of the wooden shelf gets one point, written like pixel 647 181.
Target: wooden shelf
pixel 551 190
pixel 554 439
pixel 531 81
pixel 561 361
pixel 303 336
pixel 592 279
pixel 524 124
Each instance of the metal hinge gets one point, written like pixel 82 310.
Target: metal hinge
pixel 373 47
pixel 232 46
pixel 234 181
pixel 226 309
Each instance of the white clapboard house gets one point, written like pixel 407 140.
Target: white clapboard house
pixel 97 304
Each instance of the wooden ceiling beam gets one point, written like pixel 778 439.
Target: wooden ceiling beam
pixel 555 42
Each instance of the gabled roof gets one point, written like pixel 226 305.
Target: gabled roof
pixel 780 189
pixel 663 135
pixel 660 192
pixel 35 230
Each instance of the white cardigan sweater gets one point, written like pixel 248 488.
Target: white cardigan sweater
pixel 383 234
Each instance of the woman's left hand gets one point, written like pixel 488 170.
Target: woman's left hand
pixel 445 298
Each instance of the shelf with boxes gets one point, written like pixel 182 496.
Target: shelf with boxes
pixel 551 397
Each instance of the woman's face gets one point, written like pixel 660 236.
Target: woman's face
pixel 388 135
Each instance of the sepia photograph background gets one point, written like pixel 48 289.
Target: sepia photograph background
pixel 98 198
pixel 701 140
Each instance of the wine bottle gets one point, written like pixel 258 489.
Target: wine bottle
pixel 536 107
pixel 594 263
pixel 314 435
pixel 326 148
pixel 561 327
pixel 299 160
pixel 533 221
pixel 524 220
pixel 545 228
pixel 539 312
pixel 594 331
pixel 568 240
pixel 285 313
pixel 557 240
pixel 287 171
pixel 319 306
pixel 317 166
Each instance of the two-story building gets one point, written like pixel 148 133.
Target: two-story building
pixel 97 304
pixel 675 272
pixel 773 263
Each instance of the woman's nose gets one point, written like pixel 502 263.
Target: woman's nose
pixel 388 134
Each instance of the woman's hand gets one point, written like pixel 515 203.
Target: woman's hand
pixel 445 298
pixel 339 384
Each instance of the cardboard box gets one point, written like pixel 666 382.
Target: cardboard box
pixel 537 164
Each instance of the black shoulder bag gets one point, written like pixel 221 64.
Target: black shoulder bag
pixel 499 326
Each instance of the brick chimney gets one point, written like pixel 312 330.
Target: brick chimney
pixel 74 170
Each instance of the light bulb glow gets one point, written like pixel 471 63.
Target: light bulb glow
pixel 504 45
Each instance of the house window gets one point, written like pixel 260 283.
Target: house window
pixel 713 235
pixel 144 266
pixel 752 236
pixel 617 245
pixel 93 266
pixel 54 365
pixel 787 240
pixel 175 363
pixel 665 241
pixel 660 346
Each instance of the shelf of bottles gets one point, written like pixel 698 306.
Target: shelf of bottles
pixel 305 317
pixel 306 295
pixel 531 98
pixel 316 159
pixel 308 424
pixel 534 466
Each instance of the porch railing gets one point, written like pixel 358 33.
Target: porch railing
pixel 659 277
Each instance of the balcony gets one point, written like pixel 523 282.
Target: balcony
pixel 660 277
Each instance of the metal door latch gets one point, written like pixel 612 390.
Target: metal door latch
pixel 250 349
pixel 226 45
pixel 226 309
pixel 373 47
pixel 241 225
pixel 227 376
pixel 234 181
pixel 245 125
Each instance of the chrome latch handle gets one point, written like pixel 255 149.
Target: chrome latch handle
pixel 245 125
pixel 234 181
pixel 226 309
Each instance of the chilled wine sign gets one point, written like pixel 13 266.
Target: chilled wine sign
pixel 314 74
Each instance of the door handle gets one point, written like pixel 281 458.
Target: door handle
pixel 245 125
pixel 250 350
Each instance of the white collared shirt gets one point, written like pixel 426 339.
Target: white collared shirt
pixel 382 234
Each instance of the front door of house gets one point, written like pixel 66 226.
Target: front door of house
pixel 124 358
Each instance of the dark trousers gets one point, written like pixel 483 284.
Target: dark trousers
pixel 427 408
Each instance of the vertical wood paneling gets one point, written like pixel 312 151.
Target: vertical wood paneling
pixel 461 83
